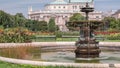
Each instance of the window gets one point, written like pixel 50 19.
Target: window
pixel 54 7
pixel 59 7
pixel 75 7
pixel 64 7
pixel 80 7
pixel 97 16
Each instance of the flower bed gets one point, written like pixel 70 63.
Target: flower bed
pixel 105 32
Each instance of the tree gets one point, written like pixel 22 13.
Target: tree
pixel 51 25
pixel 112 23
pixel 76 17
pixel 6 20
pixel 20 20
pixel 36 25
pixel 19 15
pixel 10 21
pixel 43 26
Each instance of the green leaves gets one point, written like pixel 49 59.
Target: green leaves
pixel 51 25
pixel 76 17
pixel 115 36
pixel 18 20
pixel 16 35
pixel 112 23
pixel 36 25
pixel 6 20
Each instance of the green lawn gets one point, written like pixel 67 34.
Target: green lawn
pixel 10 65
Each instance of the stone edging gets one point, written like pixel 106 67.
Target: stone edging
pixel 39 63
pixel 38 44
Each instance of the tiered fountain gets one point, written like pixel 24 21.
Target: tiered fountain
pixel 87 46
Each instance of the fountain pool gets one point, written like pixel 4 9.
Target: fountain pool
pixel 69 57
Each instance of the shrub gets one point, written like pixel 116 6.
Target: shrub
pixel 75 33
pixel 115 36
pixel 16 35
pixel 58 34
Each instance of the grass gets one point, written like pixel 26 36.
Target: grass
pixel 10 65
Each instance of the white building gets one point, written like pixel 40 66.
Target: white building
pixel 62 10
pixel 116 14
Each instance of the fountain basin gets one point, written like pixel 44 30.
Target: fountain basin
pixel 110 52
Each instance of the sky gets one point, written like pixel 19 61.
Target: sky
pixel 21 6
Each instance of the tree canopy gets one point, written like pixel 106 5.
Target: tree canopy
pixel 112 23
pixel 51 25
pixel 18 20
pixel 77 17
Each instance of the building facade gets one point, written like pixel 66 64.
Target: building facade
pixel 116 14
pixel 62 10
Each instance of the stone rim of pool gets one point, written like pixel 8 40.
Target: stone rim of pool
pixel 103 44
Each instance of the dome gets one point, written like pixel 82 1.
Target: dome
pixel 59 2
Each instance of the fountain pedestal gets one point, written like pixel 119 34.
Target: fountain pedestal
pixel 87 46
pixel 87 50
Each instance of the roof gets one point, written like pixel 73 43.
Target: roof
pixel 59 2
pixel 81 0
pixel 67 1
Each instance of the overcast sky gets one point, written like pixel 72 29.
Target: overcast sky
pixel 21 6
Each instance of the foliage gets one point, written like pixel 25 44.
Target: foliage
pixel 105 32
pixel 115 36
pixel 19 15
pixel 18 20
pixel 36 25
pixel 51 25
pixel 16 35
pixel 6 20
pixel 58 34
pixel 73 33
pixel 112 23
pixel 76 17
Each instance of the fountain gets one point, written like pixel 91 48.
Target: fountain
pixel 87 46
